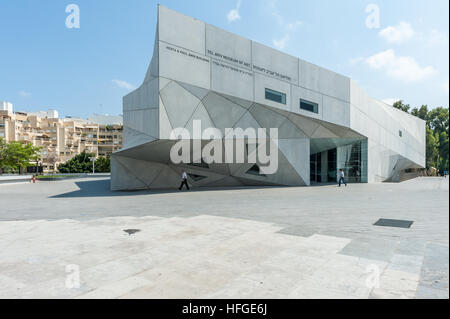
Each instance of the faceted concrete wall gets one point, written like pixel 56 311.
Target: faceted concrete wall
pixel 200 72
pixel 388 152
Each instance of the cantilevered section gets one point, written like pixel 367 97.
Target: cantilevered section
pixel 325 121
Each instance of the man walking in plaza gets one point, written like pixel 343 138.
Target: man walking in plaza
pixel 183 180
pixel 342 178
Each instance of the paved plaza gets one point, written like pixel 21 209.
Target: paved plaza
pixel 265 242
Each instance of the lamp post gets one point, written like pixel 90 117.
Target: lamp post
pixel 93 164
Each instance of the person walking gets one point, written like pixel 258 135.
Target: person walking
pixel 342 177
pixel 183 180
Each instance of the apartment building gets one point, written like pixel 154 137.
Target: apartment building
pixel 60 139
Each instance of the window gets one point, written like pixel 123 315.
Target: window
pixel 400 133
pixel 275 96
pixel 309 106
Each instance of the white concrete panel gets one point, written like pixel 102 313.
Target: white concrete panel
pixel 305 124
pixel 195 90
pixel 266 118
pixel 180 104
pixel 308 75
pixel 336 111
pixel 132 138
pixel 359 98
pixel 201 115
pixel 228 47
pixel 290 130
pixel 223 113
pixel 181 30
pixel 262 82
pixel 229 79
pixel 358 121
pixel 165 127
pixel 153 69
pixel 183 65
pixel 145 121
pixel 297 154
pixel 334 84
pixel 308 95
pixel 143 171
pixel 121 177
pixel 274 63
pixel 244 103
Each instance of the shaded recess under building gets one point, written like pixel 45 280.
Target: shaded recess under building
pixel 325 121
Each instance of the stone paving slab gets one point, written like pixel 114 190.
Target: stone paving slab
pixel 229 243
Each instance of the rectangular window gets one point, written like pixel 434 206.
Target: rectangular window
pixel 275 96
pixel 309 106
pixel 400 133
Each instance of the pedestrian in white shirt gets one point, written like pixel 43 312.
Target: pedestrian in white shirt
pixel 342 177
pixel 183 180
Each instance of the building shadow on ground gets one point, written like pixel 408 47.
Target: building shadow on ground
pixel 101 188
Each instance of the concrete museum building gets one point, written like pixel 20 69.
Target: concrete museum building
pixel 325 121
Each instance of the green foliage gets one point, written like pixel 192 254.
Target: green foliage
pixel 103 165
pixel 399 105
pixel 80 163
pixel 431 148
pixel 437 121
pixel 17 155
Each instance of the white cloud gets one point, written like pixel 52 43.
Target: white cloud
pixel 280 44
pixel 399 67
pixel 234 15
pixel 356 60
pixel 123 84
pixel 292 26
pixel 391 101
pixel 24 94
pixel 288 28
pixel 398 34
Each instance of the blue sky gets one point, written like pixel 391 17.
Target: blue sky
pixel 43 64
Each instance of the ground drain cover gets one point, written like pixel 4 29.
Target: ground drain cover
pixel 394 223
pixel 132 231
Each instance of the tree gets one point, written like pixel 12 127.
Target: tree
pixel 18 155
pixel 399 105
pixel 103 164
pixel 421 113
pixel 80 163
pixel 51 159
pixel 431 149
pixel 3 152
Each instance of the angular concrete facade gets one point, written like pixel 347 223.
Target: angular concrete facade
pixel 200 72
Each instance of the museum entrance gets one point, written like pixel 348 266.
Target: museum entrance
pixel 325 163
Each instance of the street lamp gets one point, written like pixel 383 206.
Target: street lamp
pixel 93 164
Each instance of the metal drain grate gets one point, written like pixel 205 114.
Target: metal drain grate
pixel 394 223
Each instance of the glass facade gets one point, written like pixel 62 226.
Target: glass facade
pixel 275 96
pixel 352 158
pixel 315 168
